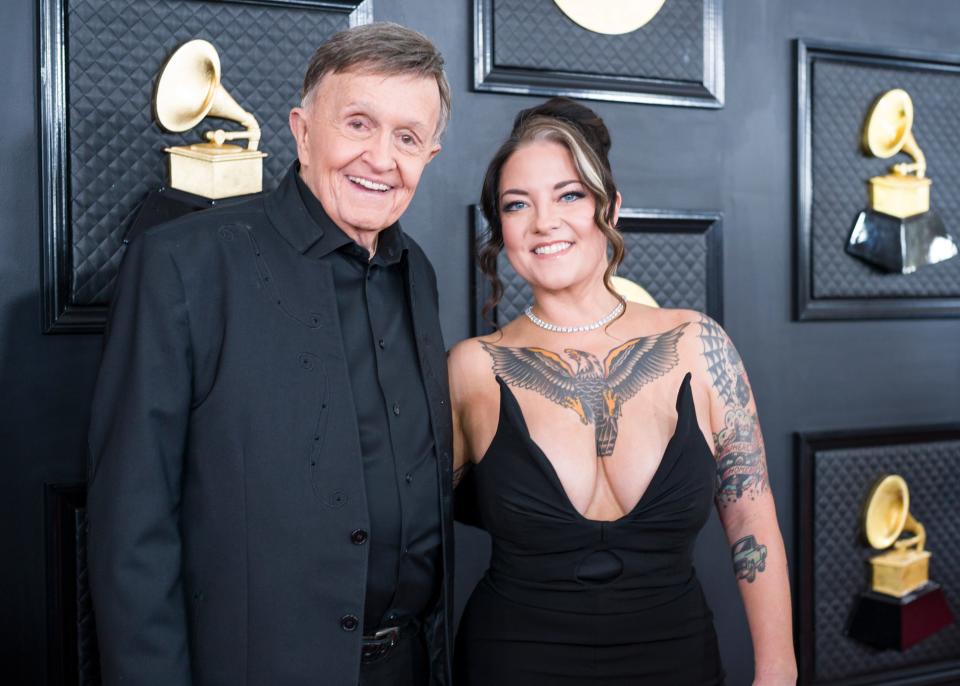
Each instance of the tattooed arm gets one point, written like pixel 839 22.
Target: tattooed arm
pixel 746 506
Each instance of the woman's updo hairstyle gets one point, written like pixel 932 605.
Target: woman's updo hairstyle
pixel 585 136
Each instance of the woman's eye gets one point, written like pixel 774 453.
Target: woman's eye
pixel 514 206
pixel 571 196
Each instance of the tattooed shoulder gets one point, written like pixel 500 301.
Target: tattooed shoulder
pixel 738 445
pixel 723 363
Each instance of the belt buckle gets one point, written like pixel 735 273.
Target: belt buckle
pixel 393 632
pixel 376 647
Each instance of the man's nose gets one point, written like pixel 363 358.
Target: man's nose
pixel 379 153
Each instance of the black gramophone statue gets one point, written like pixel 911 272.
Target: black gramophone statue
pixel 899 232
pixel 903 606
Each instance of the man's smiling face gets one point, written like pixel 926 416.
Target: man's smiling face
pixel 363 141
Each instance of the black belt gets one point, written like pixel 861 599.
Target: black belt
pixel 377 646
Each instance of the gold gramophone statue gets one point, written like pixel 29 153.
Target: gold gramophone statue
pixel 903 606
pixel 899 232
pixel 189 90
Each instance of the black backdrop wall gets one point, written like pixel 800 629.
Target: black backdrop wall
pixel 738 160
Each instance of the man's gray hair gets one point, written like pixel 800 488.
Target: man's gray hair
pixel 380 48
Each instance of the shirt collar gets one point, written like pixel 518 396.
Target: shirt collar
pixel 390 242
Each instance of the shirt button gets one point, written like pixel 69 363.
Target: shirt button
pixel 408 477
pixel 381 344
pixel 392 617
pixel 349 623
pixel 359 537
pixel 396 409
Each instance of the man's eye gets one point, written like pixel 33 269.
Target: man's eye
pixel 514 206
pixel 572 196
pixel 407 139
pixel 356 124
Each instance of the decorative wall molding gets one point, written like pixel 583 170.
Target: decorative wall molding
pixel 676 59
pixel 835 470
pixel 100 150
pixel 836 85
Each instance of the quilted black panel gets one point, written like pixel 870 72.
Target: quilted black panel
pixel 88 657
pixel 842 480
pixel 114 51
pixel 672 267
pixel 842 93
pixel 536 34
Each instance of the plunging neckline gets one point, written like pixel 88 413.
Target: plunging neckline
pixel 552 471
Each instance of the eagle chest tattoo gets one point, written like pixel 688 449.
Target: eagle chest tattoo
pixel 595 391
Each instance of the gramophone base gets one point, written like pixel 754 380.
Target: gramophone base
pixel 900 245
pixel 211 173
pixel 897 623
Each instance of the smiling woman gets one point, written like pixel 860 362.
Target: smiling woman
pixel 600 432
pixel 581 157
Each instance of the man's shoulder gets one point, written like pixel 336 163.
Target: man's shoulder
pixel 414 249
pixel 418 258
pixel 249 213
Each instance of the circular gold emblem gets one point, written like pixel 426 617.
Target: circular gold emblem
pixel 633 292
pixel 610 16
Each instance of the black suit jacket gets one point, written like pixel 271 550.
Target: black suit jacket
pixel 225 473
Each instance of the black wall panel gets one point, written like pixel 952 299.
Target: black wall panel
pixel 737 160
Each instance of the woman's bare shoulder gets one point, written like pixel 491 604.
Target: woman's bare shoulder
pixel 643 320
pixel 470 367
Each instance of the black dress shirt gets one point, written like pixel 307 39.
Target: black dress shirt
pixel 399 461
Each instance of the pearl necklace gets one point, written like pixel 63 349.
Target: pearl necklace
pixel 614 313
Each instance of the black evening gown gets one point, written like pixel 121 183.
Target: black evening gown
pixel 572 601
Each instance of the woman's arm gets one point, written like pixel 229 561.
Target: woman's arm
pixel 460 461
pixel 460 374
pixel 746 507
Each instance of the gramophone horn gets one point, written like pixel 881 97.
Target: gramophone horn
pixel 187 86
pixel 189 89
pixel 888 507
pixel 888 123
pixel 888 131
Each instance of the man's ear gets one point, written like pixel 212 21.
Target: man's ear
pixel 433 153
pixel 299 124
pixel 616 208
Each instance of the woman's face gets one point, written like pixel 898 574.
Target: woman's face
pixel 547 215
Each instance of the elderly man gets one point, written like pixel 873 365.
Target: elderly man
pixel 269 492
